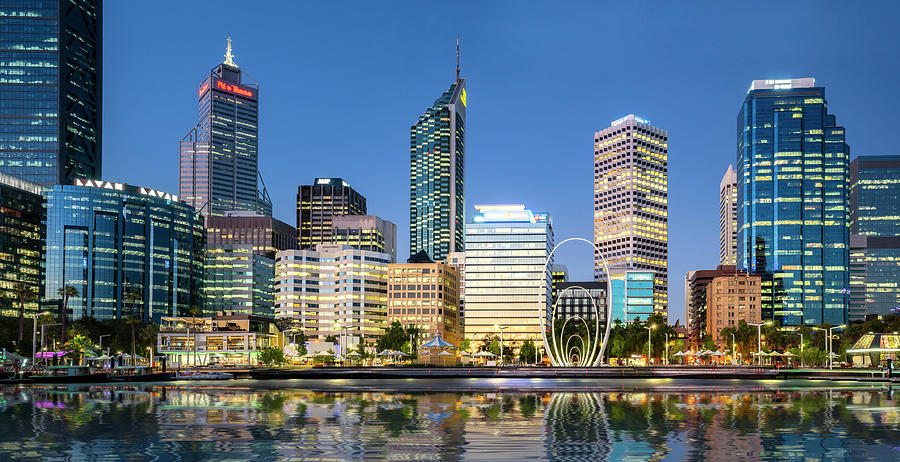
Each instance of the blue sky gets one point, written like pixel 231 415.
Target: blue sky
pixel 341 82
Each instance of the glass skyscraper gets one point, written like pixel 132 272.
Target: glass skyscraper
pixel 507 284
pixel 318 204
pixel 793 207
pixel 21 242
pixel 108 239
pixel 50 86
pixel 437 205
pixel 218 167
pixel 875 235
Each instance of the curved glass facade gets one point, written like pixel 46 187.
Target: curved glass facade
pixel 106 239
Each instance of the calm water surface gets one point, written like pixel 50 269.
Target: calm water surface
pixel 466 419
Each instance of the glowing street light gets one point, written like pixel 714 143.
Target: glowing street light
pixel 649 340
pixel 759 339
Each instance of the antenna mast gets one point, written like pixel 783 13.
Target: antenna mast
pixel 457 56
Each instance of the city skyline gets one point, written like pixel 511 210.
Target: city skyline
pixel 509 86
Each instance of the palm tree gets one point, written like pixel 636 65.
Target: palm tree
pixel 195 312
pixel 23 293
pixel 80 344
pixel 66 292
pixel 133 296
pixel 132 319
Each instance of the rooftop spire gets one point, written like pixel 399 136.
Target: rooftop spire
pixel 457 56
pixel 229 56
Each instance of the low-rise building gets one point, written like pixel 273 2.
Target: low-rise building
pixel 696 283
pixel 425 294
pixel 730 299
pixel 224 338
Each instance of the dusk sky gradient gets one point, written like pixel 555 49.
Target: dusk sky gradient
pixel 341 83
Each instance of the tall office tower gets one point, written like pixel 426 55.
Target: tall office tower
pixel 334 290
pixel 365 232
pixel 318 204
pixel 507 283
pixel 21 242
pixel 108 239
pixel 51 89
pixel 437 156
pixel 631 201
pixel 875 235
pixel 559 273
pixel 239 271
pixel 728 217
pixel 425 294
pixel 219 157
pixel 793 206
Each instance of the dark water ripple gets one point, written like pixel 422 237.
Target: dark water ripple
pixel 452 420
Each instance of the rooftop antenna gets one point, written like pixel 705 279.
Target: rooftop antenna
pixel 457 56
pixel 229 56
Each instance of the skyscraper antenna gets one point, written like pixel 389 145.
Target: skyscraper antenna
pixel 229 56
pixel 457 56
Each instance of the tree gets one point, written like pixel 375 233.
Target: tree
pixel 132 320
pixel 79 345
pixel 331 339
pixel 710 344
pixel 465 345
pixel 195 311
pixel 132 296
pixel 66 292
pixel 527 352
pixel 271 356
pixel 23 293
pixel 508 353
pixel 393 339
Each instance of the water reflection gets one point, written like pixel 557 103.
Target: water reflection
pixel 242 420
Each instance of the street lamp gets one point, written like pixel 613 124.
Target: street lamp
pixel 34 338
pixel 831 345
pixel 649 349
pixel 801 348
pixel 666 359
pixel 501 328
pixel 759 339
pixel 733 351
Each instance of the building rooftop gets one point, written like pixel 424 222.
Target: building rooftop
pixel 782 84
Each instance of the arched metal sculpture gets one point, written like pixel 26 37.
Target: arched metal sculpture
pixel 561 357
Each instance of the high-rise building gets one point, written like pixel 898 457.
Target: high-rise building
pixel 425 294
pixel 319 203
pixel 631 201
pixel 265 235
pixel 697 303
pixel 109 240
pixel 580 299
pixel 365 232
pixel 728 217
pixel 875 235
pixel 50 122
pixel 219 157
pixel 793 207
pixel 457 261
pixel 334 290
pixel 633 295
pixel 437 204
pixel 237 279
pixel 507 282
pixel 21 242
pixel 239 270
pixel 730 299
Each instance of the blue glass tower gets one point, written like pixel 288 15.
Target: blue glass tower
pixel 437 205
pixel 793 210
pixel 875 235
pixel 50 86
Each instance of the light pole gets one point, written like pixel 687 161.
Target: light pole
pixel 667 349
pixel 831 345
pixel 501 329
pixel 34 338
pixel 733 350
pixel 758 340
pixel 801 348
pixel 649 340
pixel 42 336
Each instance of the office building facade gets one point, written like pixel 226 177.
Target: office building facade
pixel 728 217
pixel 21 242
pixel 793 208
pixel 318 204
pixel 51 119
pixel 365 232
pixel 580 299
pixel 633 296
pixel 730 299
pixel 507 283
pixel 219 157
pixel 457 261
pixel 110 239
pixel 437 160
pixel 697 304
pixel 334 290
pixel 238 280
pixel 223 338
pixel 631 201
pixel 425 294
pixel 265 235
